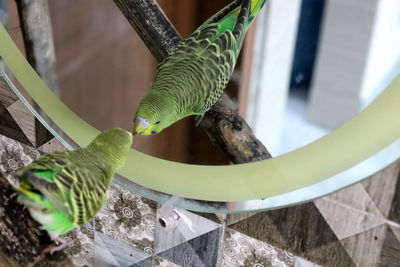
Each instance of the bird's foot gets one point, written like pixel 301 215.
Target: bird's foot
pixel 59 244
pixel 198 119
pixel 13 196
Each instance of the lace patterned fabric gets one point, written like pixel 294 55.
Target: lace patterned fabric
pixel 242 250
pixel 128 218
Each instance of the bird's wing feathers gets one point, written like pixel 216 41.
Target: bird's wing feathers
pixel 205 40
pixel 40 174
pixel 77 190
pixel 83 191
pixel 218 42
pixel 215 35
pixel 47 187
pixel 241 24
pixel 51 161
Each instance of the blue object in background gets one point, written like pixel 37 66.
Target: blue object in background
pixel 3 12
pixel 308 33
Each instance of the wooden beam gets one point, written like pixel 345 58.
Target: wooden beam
pixel 37 33
pixel 150 22
pixel 222 123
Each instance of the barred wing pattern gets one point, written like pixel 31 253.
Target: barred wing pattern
pixel 76 189
pixel 197 71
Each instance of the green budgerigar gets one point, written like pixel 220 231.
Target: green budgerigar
pixel 63 190
pixel 192 78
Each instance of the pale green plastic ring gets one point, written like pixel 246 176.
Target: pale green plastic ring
pixel 295 177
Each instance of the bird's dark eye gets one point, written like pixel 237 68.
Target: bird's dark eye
pixel 157 122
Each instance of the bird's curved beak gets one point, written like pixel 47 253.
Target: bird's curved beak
pixel 138 128
pixel 140 125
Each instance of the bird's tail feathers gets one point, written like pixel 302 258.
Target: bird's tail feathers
pixel 240 27
pixel 229 13
pixel 40 182
pixel 60 224
pixel 256 6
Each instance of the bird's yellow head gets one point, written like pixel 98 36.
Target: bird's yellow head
pixel 144 126
pixel 155 113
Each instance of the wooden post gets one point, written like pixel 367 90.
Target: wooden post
pixel 36 30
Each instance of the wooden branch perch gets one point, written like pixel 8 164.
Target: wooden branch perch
pixel 223 122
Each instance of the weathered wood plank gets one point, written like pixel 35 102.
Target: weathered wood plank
pixel 10 128
pixel 37 33
pixel 151 24
pixel 7 96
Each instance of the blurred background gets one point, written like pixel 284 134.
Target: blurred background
pixel 306 67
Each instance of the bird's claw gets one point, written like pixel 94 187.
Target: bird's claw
pixel 13 196
pixel 198 119
pixel 57 247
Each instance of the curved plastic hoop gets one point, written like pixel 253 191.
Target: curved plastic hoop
pixel 312 171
